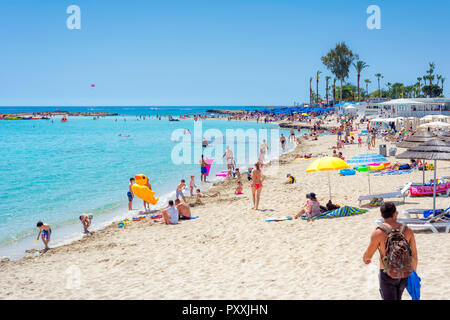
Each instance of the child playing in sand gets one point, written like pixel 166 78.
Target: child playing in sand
pixel 85 221
pixel 239 187
pixel 192 185
pixel 180 188
pixel 201 195
pixel 249 174
pixel 291 178
pixel 130 194
pixel 46 232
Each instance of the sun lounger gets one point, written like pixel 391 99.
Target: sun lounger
pixel 431 223
pixel 397 194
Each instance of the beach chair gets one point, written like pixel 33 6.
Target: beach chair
pixel 431 223
pixel 403 193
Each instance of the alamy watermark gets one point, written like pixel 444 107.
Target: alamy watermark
pixel 74 20
pixel 374 20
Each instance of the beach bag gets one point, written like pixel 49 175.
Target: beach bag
pixel 376 202
pixel 398 259
pixel 331 206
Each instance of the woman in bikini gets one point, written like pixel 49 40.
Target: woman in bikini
pixel 257 180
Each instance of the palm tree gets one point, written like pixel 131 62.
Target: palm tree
pixel 334 90
pixel 430 72
pixel 317 85
pixel 379 76
pixel 419 79
pixel 327 79
pixel 367 81
pixel 310 90
pixel 338 61
pixel 359 66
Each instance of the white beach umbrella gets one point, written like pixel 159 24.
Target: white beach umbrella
pixel 437 124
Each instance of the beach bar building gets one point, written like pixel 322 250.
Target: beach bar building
pixel 418 107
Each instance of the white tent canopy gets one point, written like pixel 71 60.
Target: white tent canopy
pixel 437 124
pixel 397 102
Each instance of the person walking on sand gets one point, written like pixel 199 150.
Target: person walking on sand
pixel 257 180
pixel 398 253
pixel 46 232
pixel 229 157
pixel 130 194
pixel 262 151
pixel 283 141
pixel 203 169
pixel 85 221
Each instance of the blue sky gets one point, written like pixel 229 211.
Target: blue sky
pixel 244 52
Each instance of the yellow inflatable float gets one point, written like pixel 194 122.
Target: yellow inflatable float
pixel 141 190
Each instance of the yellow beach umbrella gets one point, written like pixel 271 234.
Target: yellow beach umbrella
pixel 304 114
pixel 328 164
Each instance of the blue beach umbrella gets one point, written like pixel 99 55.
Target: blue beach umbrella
pixel 365 159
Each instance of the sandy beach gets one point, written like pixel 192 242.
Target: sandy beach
pixel 230 252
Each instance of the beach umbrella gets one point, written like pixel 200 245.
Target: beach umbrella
pixel 435 125
pixel 430 150
pixel 365 159
pixel 327 164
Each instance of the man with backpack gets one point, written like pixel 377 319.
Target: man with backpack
pixel 398 253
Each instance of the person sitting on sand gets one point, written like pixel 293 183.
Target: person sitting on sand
pixel 291 179
pixel 239 187
pixel 46 233
pixel 311 208
pixel 85 221
pixel 199 194
pixel 183 208
pixel 237 174
pixel 340 156
pixel 170 214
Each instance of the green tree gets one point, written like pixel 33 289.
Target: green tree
pixel 338 61
pixel 359 66
pixel 317 85
pixel 379 76
pixel 327 79
pixel 367 81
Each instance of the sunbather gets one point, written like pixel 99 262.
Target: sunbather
pixel 311 207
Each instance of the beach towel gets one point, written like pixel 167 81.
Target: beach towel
pixel 345 211
pixel 413 286
pixel 191 218
pixel 393 172
pixel 279 219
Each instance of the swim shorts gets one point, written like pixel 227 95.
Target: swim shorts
pixel 130 196
pixel 203 170
pixel 45 234
pixel 179 193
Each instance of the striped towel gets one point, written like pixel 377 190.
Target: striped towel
pixel 393 172
pixel 345 211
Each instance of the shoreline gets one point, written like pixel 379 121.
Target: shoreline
pixel 209 187
pixel 118 214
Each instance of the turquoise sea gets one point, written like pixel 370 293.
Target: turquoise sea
pixel 53 171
